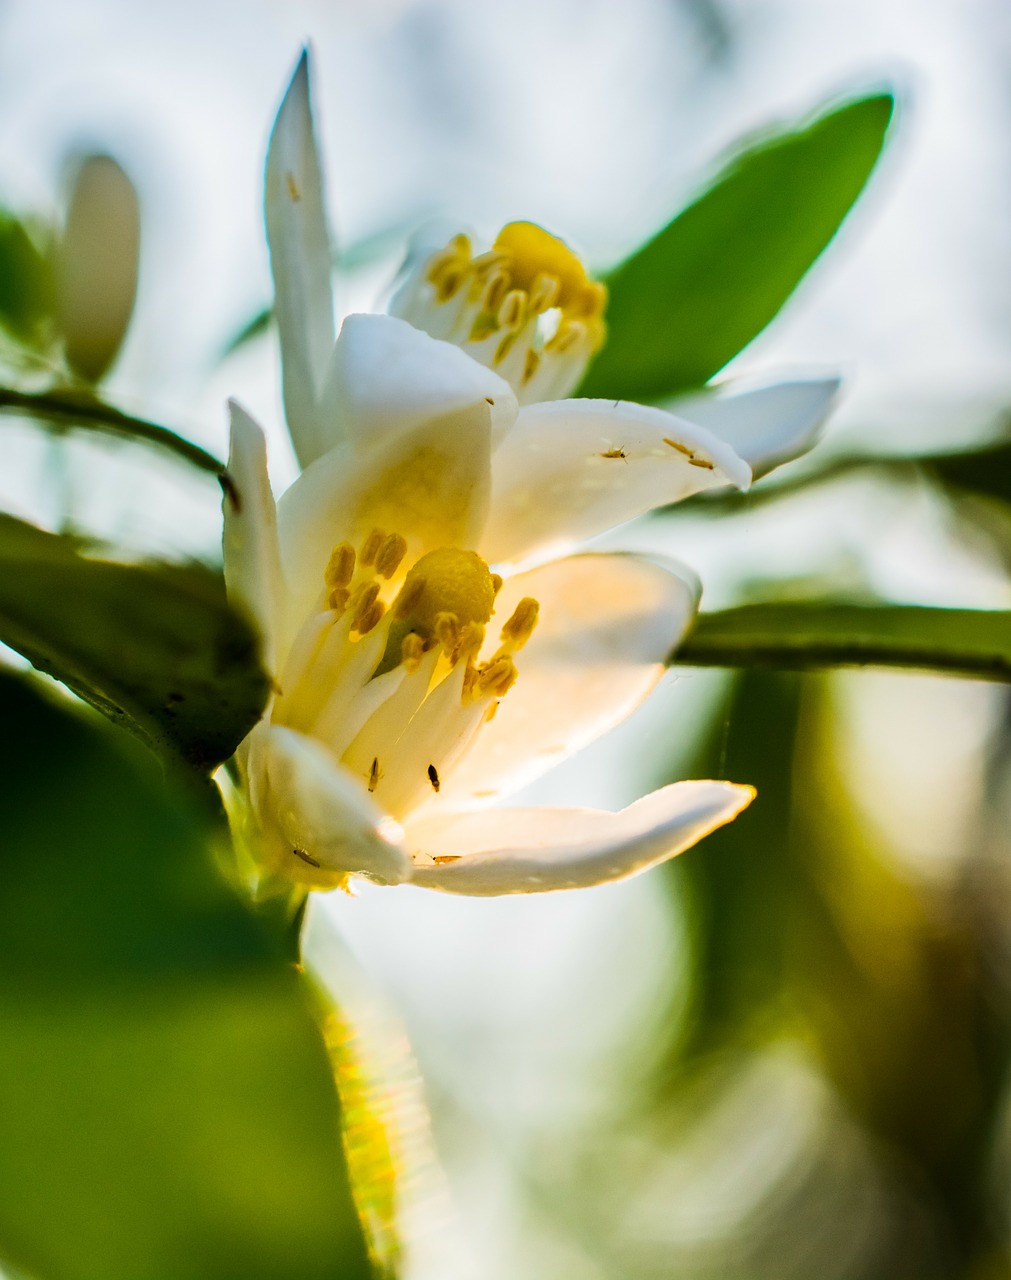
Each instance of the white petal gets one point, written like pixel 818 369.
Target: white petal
pixel 607 623
pixel 326 813
pixel 430 485
pixel 387 378
pixel 300 262
pixel 570 469
pixel 766 424
pixel 249 544
pixel 537 850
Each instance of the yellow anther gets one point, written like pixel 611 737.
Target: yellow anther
pixel 364 598
pixel 497 678
pixel 410 594
pixel 390 554
pixel 494 291
pixel 370 547
pixel 544 292
pixel 338 598
pixel 449 283
pixel 412 650
pixel 519 628
pixel 460 244
pixel 485 263
pixel 340 567
pixel 570 333
pixel 447 631
pixel 370 617
pixel 496 582
pixel 513 310
pixel 530 365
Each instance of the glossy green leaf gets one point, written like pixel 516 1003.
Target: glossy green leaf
pixel 167 1110
pixel 153 646
pixel 694 296
pixel 965 642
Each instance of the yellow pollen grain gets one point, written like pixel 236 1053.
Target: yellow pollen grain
pixel 340 568
pixel 390 554
pixel 371 545
pixel 530 365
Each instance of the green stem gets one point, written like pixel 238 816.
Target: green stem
pixel 72 409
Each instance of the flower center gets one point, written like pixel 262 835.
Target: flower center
pixel 389 675
pixel 526 308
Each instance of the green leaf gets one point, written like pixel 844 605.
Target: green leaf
pixel 694 296
pixel 964 642
pixel 65 409
pixel 27 283
pixel 153 646
pixel 167 1110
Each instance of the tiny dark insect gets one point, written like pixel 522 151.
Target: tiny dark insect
pixel 374 774
pixel 433 777
pixel 301 853
pixel 614 453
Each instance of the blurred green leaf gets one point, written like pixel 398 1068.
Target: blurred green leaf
pixel 694 296
pixel 167 1110
pixel 66 409
pixel 27 285
pixel 966 642
pixel 153 646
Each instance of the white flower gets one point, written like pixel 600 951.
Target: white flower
pixel 431 651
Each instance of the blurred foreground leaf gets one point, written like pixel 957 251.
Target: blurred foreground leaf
pixel 966 642
pixel 27 285
pixel 153 646
pixel 166 1105
pixel 65 409
pixel 694 296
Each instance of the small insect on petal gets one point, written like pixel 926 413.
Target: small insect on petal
pixel 301 853
pixel 433 777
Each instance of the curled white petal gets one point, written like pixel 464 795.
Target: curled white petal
pixel 300 262
pixel 323 813
pixel 430 485
pixel 570 469
pixel 387 378
pixel 767 424
pixel 606 625
pixel 250 544
pixel 537 850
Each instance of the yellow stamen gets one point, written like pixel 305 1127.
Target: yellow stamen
pixel 519 628
pixel 390 554
pixel 370 547
pixel 340 568
pixel 412 650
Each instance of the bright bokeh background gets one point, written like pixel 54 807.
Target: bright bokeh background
pixel 579 1136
